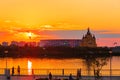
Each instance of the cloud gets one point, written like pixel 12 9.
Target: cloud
pixel 107 34
pixel 77 34
pixel 4 33
pixel 13 31
pixel 102 31
pixel 65 34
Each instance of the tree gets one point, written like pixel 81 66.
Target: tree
pixel 97 65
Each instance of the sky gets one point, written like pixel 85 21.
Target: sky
pixel 61 19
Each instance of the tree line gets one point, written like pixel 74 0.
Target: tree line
pixel 56 52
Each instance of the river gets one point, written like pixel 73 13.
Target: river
pixel 50 63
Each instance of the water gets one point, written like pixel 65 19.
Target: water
pixel 45 63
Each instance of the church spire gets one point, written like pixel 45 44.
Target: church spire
pixel 83 37
pixel 88 31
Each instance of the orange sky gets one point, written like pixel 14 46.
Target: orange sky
pixel 18 17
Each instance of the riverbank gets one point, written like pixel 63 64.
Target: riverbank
pixel 53 52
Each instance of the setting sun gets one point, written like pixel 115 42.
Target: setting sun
pixel 29 35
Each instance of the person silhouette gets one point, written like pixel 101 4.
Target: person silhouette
pixel 70 77
pixel 50 76
pixel 12 70
pixel 78 74
pixel 18 69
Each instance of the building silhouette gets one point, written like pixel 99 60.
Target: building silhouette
pixel 60 42
pixel 4 43
pixel 88 40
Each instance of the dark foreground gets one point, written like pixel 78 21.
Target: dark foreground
pixel 44 77
pixel 54 52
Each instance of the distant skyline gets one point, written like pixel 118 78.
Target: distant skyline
pixel 50 19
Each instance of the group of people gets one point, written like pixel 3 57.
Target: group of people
pixel 78 75
pixel 70 76
pixel 18 70
pixel 50 74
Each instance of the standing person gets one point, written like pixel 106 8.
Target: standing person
pixel 70 77
pixel 33 74
pixel 78 74
pixel 50 76
pixel 32 71
pixel 18 69
pixel 12 70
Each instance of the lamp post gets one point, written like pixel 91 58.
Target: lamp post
pixel 6 57
pixel 110 64
pixel 7 71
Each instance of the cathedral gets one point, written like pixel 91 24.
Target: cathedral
pixel 88 40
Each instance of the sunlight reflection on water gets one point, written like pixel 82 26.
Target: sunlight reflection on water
pixel 29 67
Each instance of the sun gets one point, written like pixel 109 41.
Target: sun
pixel 29 34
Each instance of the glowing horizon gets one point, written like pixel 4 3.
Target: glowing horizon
pixel 18 17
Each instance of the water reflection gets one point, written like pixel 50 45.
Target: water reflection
pixel 29 67
pixel 44 63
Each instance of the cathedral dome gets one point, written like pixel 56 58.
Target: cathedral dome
pixel 88 40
